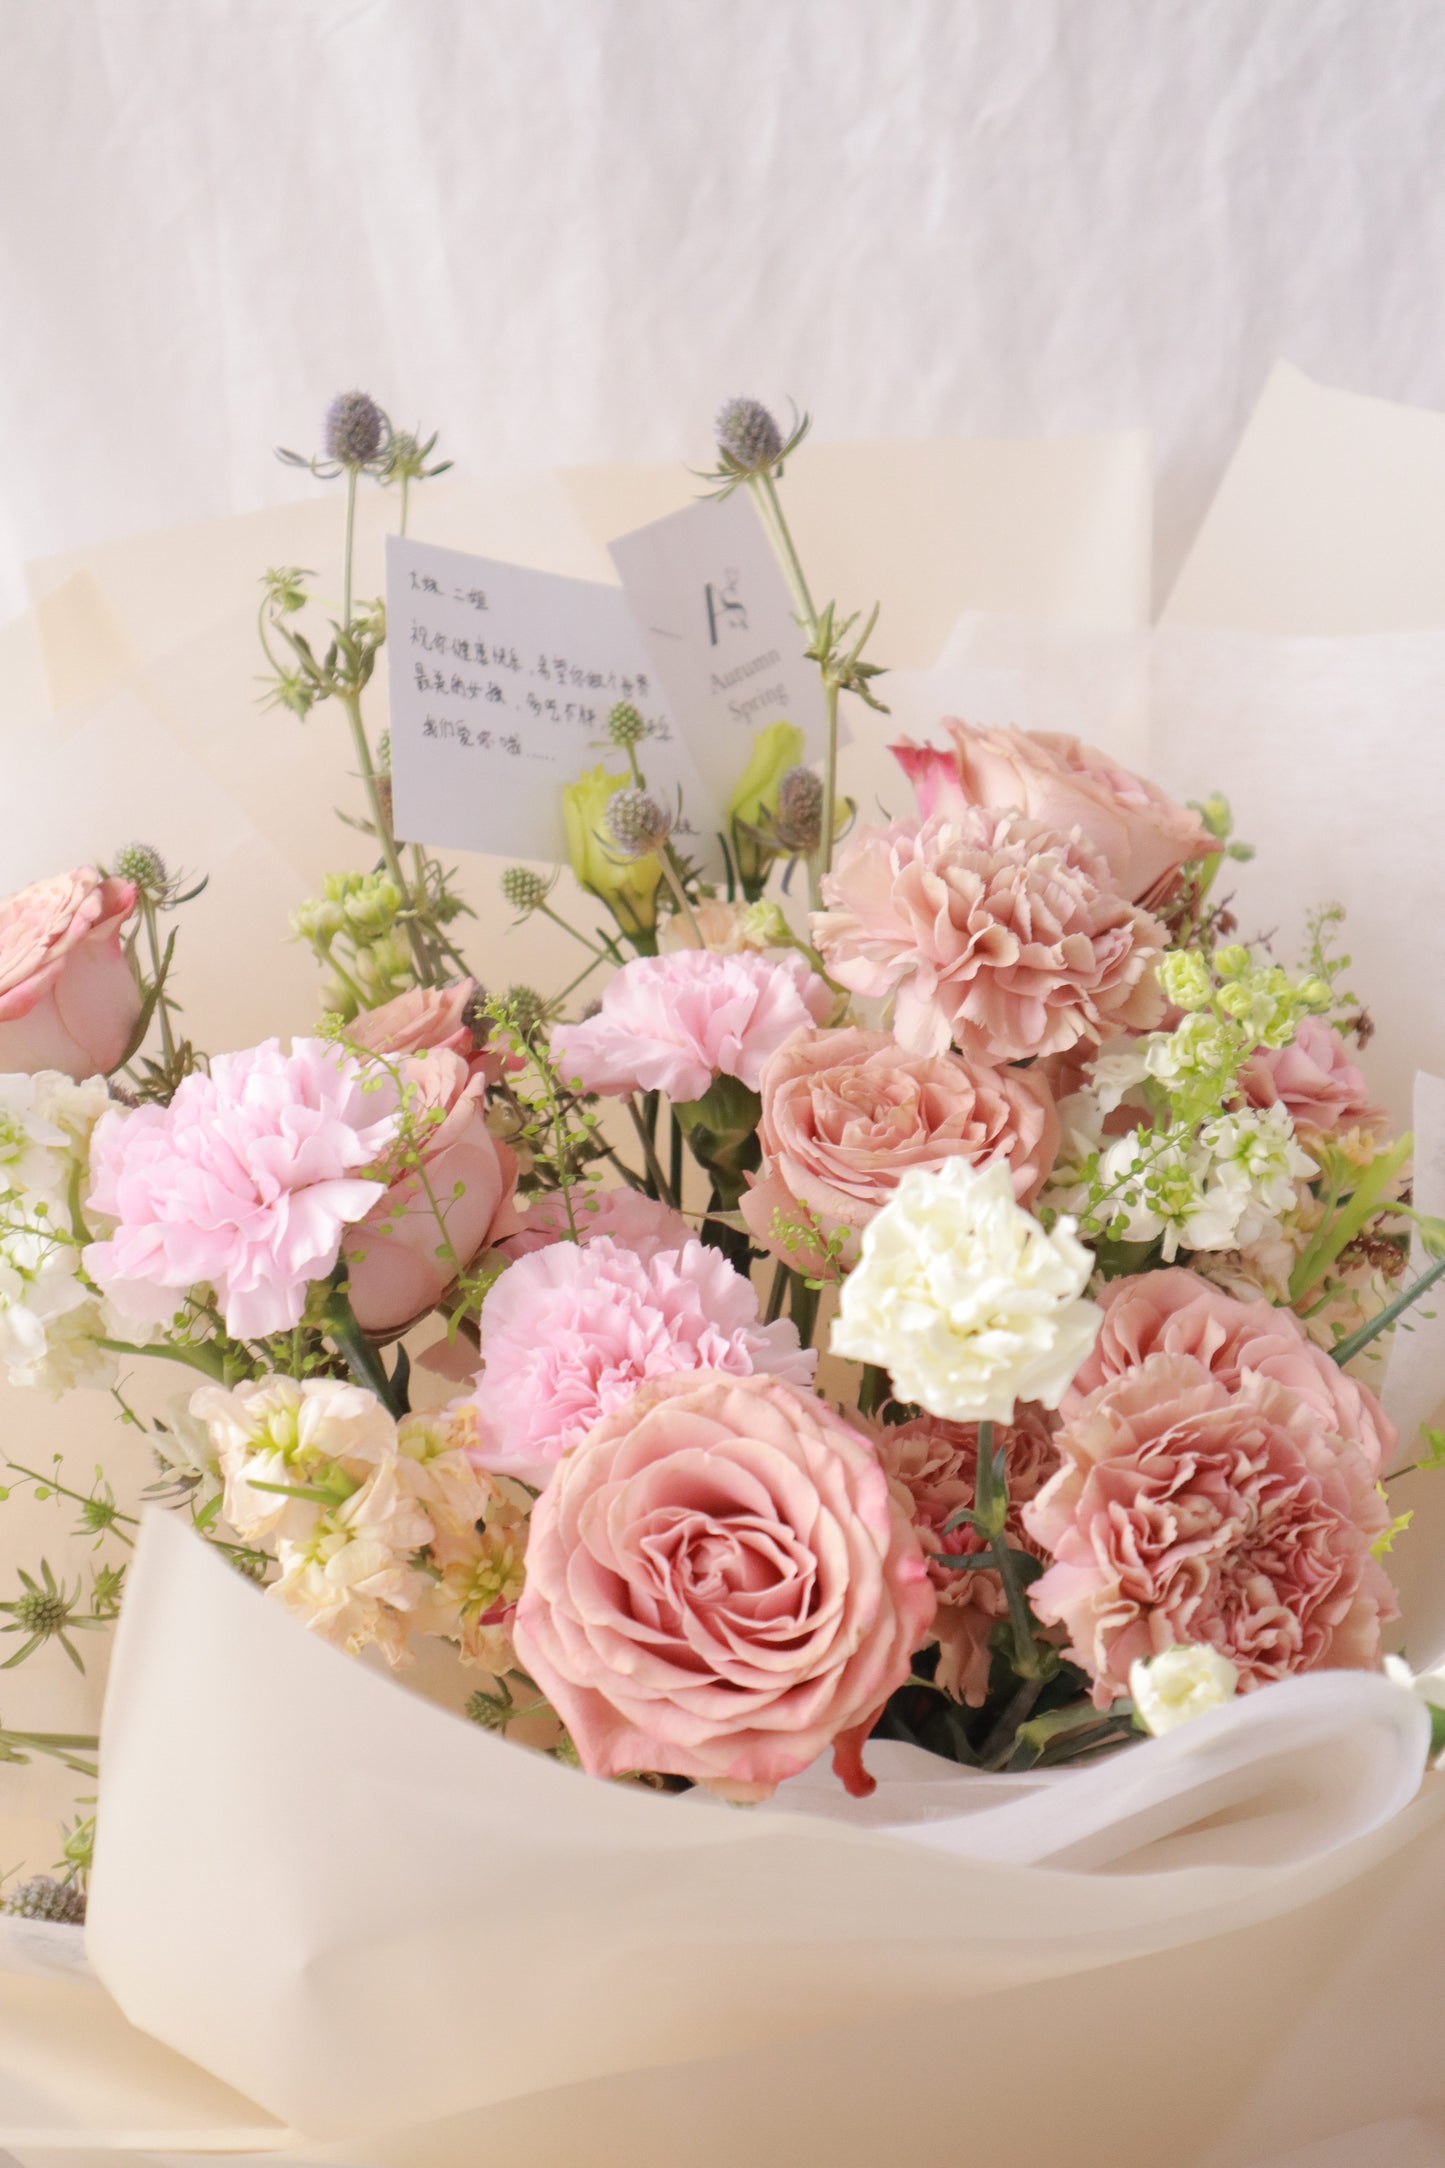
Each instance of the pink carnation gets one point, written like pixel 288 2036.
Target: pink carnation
pixel 570 1332
pixel 1067 785
pixel 1314 1078
pixel 932 1466
pixel 720 1584
pixel 673 1023
pixel 1174 1312
pixel 244 1183
pixel 1006 937
pixel 1188 1511
pixel 631 1220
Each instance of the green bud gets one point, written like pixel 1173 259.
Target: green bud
pixel 625 725
pixel 1184 976
pixel 1230 962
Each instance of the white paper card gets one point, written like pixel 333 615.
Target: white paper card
pixel 713 606
pixel 500 682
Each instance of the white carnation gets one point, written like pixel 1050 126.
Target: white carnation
pixel 965 1299
pixel 1179 1683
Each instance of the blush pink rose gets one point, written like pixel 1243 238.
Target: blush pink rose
pixel 673 1023
pixel 570 1332
pixel 721 1585
pixel 1175 1312
pixel 68 997
pixel 433 1221
pixel 1185 1511
pixel 991 931
pixel 1066 785
pixel 245 1183
pixel 430 1020
pixel 845 1113
pixel 1314 1078
pixel 932 1466
pixel 627 1217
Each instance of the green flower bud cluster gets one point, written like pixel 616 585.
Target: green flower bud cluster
pixel 354 926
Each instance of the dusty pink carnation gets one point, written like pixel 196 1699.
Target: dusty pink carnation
pixel 630 1219
pixel 1059 781
pixel 1175 1312
pixel 1187 1511
pixel 721 1585
pixel 673 1023
pixel 570 1332
pixel 932 1466
pixel 1004 936
pixel 244 1183
pixel 846 1113
pixel 68 997
pixel 1314 1078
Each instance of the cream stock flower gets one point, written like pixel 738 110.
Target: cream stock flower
pixel 967 1301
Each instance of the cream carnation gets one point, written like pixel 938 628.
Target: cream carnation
pixel 1004 936
pixel 965 1299
pixel 1178 1683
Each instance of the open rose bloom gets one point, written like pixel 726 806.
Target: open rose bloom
pixel 69 999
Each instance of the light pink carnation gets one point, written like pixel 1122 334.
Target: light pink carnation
pixel 1175 1312
pixel 1006 937
pixel 673 1023
pixel 244 1183
pixel 1315 1079
pixel 68 997
pixel 720 1584
pixel 570 1332
pixel 847 1113
pixel 933 1466
pixel 1067 785
pixel 1189 1512
pixel 631 1220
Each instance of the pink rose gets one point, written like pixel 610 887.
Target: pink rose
pixel 244 1183
pixel 431 1020
pixel 1188 1511
pixel 932 1466
pixel 627 1217
pixel 720 1585
pixel 992 931
pixel 845 1113
pixel 68 997
pixel 1315 1079
pixel 673 1023
pixel 1066 785
pixel 433 1221
pixel 1174 1312
pixel 570 1332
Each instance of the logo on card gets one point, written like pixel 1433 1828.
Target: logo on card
pixel 725 606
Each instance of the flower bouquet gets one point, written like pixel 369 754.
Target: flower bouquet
pixel 910 1305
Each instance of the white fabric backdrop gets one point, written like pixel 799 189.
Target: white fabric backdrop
pixel 565 229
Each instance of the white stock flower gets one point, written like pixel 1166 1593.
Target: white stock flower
pixel 966 1300
pixel 276 1430
pixel 1168 1689
pixel 350 1577
pixel 1254 1155
pixel 50 1316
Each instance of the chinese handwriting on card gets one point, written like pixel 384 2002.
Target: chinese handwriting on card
pixel 501 680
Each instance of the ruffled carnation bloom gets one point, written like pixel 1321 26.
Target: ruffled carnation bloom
pixel 244 1183
pixel 965 1299
pixel 1189 1511
pixel 1066 785
pixel 673 1023
pixel 932 1466
pixel 68 997
pixel 433 1221
pixel 847 1113
pixel 570 1332
pixel 992 931
pixel 1177 1313
pixel 627 1217
pixel 720 1584
pixel 1315 1080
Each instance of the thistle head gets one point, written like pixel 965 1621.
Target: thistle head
pixel 637 823
pixel 43 1898
pixel 526 1008
pixel 524 890
pixel 355 429
pixel 748 435
pixel 143 864
pixel 798 820
pixel 625 725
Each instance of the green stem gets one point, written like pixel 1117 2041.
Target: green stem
pixel 1020 1618
pixel 405 500
pixel 347 547
pixel 661 1188
pixel 803 1307
pixel 206 1358
pixel 557 920
pixel 679 893
pixel 148 920
pixel 1348 1349
pixel 830 774
pixel 674 1171
pixel 776 1293
pixel 361 1358
pixel 766 497
pixel 998 1747
pixel 351 701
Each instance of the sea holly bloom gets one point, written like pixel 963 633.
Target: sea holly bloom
pixel 628 886
pixel 991 931
pixel 1064 784
pixel 245 1183
pixel 68 997
pixel 721 1584
pixel 570 1332
pixel 965 1299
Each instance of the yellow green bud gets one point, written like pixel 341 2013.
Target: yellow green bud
pixel 1232 961
pixel 1184 976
